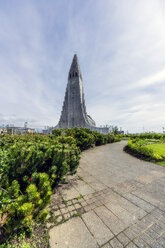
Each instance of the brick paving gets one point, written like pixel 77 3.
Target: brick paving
pixel 116 201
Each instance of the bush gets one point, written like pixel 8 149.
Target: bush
pixel 23 208
pixel 137 148
pixel 84 140
pixel 148 136
pixel 32 165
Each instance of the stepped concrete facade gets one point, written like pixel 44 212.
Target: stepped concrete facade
pixel 74 110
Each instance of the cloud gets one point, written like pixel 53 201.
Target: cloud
pixel 155 78
pixel 120 45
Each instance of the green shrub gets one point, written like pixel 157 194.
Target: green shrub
pixel 32 165
pixel 14 189
pixel 84 140
pixel 148 136
pixel 22 210
pixel 42 215
pixel 57 132
pixel 32 194
pixel 137 148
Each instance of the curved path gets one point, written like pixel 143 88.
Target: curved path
pixel 123 203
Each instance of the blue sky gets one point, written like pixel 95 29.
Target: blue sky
pixel 121 49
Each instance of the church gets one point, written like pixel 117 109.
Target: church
pixel 74 112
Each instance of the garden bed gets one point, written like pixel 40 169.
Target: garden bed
pixel 31 167
pixel 158 148
pixel 146 149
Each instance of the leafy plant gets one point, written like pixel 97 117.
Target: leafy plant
pixel 138 148
pixel 32 165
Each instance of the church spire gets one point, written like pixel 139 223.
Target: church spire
pixel 73 112
pixel 75 68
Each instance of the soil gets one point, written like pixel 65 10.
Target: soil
pixel 39 237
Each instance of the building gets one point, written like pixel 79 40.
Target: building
pixel 20 130
pixel 11 129
pixel 74 110
pixel 3 130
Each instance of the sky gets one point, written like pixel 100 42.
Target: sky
pixel 121 49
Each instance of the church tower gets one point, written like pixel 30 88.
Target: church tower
pixel 74 110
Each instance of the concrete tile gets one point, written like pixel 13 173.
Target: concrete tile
pixel 98 203
pixel 83 188
pixel 139 190
pixel 147 239
pixel 127 218
pixel 140 243
pixel 146 178
pixel 130 233
pixel 59 218
pixel 67 215
pixel 71 208
pixel 56 213
pixel 69 194
pixel 74 201
pixel 90 207
pixel 151 233
pixel 157 228
pixel 140 213
pixel 77 206
pixel 83 203
pixel 62 205
pixel 71 234
pixel 123 239
pixel 69 203
pixel 81 210
pixel 140 203
pixel 48 224
pixel 64 210
pixel 115 243
pixel 99 230
pixel 113 223
pixel 73 212
pixel 97 186
pixel 106 246
pixel 115 208
pixel 146 197
pixel 131 245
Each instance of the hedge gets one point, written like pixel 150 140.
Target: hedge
pixel 137 148
pixel 156 136
pixel 31 166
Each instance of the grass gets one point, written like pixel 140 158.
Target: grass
pixel 79 197
pixel 161 163
pixel 146 141
pixel 80 178
pixel 158 148
pixel 146 150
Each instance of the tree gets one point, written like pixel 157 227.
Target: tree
pixel 115 130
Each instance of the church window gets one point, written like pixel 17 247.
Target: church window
pixel 72 122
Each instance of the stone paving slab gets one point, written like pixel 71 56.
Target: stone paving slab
pixel 119 201
pixel 69 194
pixel 83 188
pixel 99 230
pixel 73 234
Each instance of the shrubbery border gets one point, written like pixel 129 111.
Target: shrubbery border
pixel 32 165
pixel 142 152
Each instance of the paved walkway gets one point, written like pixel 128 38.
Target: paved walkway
pixel 119 201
